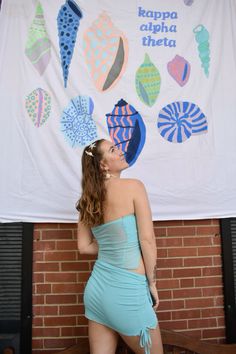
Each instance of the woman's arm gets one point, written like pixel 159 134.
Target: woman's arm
pixel 85 240
pixel 146 235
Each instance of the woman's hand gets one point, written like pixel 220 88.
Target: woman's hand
pixel 153 291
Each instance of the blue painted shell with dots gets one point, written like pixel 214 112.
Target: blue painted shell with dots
pixel 77 124
pixel 68 21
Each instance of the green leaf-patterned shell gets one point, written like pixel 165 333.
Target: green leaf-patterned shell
pixel 148 82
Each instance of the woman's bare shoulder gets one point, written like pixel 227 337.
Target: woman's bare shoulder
pixel 133 183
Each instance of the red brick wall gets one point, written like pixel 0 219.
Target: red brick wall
pixel 189 282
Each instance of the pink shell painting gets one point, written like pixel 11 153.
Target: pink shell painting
pixel 38 106
pixel 179 68
pixel 106 52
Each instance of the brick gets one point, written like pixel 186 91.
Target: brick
pixel 199 303
pixel 48 226
pixel 67 288
pixel 185 314
pixel 83 277
pixel 198 262
pixel 160 231
pixel 66 245
pixel 169 263
pixel 166 223
pixel 164 294
pixel 208 281
pixel 198 241
pixel 212 312
pixel 207 230
pixel 38 277
pixel 68 226
pixel 213 333
pixel 198 222
pixel 174 325
pixel 45 332
pixel 206 251
pixel 45 267
pixel 210 271
pixel 169 242
pixel 38 256
pixel 59 342
pixel 161 253
pixel 37 322
pixel 75 266
pixel 217 260
pixel 45 246
pixel 37 343
pixel 164 316
pixel 57 235
pixel 186 283
pixel 187 293
pixel 60 256
pixel 36 235
pixel 60 277
pixel 71 310
pixel 202 323
pixel 186 272
pixel 182 252
pixel 74 331
pixel 170 305
pixel 61 299
pixel 58 321
pixel 43 288
pixel 194 333
pixel 82 321
pixel 181 231
pixel 167 283
pixel 38 299
pixel 164 273
pixel 45 310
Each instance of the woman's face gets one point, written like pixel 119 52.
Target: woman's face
pixel 113 158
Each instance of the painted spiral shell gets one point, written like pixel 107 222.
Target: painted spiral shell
pixel 202 38
pixel 38 45
pixel 179 68
pixel 178 121
pixel 127 130
pixel 38 106
pixel 106 52
pixel 77 124
pixel 148 82
pixel 68 21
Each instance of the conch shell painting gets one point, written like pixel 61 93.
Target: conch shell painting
pixel 77 124
pixel 178 121
pixel 38 45
pixel 147 82
pixel 127 130
pixel 106 52
pixel 179 69
pixel 38 106
pixel 202 38
pixel 68 21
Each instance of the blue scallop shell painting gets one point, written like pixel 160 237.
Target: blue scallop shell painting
pixel 68 21
pixel 77 124
pixel 178 121
pixel 127 130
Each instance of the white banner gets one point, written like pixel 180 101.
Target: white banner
pixel 156 77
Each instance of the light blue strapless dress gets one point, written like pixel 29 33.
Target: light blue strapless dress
pixel 114 295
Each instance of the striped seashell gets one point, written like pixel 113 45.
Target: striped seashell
pixel 178 121
pixel 68 21
pixel 188 2
pixel 202 38
pixel 179 69
pixel 38 46
pixel 148 82
pixel 77 124
pixel 38 106
pixel 106 52
pixel 127 130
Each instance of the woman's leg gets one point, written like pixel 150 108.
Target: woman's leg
pixel 102 339
pixel 133 342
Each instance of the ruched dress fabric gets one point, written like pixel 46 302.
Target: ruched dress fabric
pixel 116 296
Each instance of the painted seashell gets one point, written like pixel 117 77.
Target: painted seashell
pixel 127 130
pixel 202 38
pixel 179 69
pixel 147 82
pixel 106 52
pixel 38 106
pixel 178 121
pixel 77 124
pixel 38 46
pixel 68 21
pixel 188 2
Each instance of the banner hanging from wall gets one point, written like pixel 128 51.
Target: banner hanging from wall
pixel 156 77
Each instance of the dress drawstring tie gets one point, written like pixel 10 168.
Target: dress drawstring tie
pixel 145 340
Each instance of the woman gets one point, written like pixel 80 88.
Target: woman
pixel 115 224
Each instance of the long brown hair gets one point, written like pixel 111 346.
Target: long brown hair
pixel 90 205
